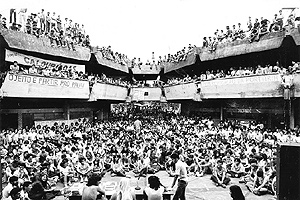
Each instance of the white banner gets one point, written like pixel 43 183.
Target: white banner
pixel 181 91
pixel 59 122
pixel 20 85
pixel 146 94
pixel 23 59
pixel 107 91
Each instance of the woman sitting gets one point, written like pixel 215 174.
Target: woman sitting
pixel 124 192
pixel 155 189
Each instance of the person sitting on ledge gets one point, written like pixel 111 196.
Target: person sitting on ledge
pixel 15 68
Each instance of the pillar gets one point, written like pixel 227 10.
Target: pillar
pixel 103 111
pixel 20 120
pixel 186 108
pixel 269 124
pixel 0 116
pixel 291 114
pixel 67 110
pixel 221 113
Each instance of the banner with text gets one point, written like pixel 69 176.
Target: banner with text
pixel 181 91
pixel 30 86
pixel 146 94
pixel 26 60
pixel 256 86
pixel 109 92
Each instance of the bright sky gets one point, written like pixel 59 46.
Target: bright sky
pixel 138 27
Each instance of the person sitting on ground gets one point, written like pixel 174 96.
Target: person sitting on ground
pixel 117 167
pixel 236 193
pixel 27 185
pixel 83 168
pixel 155 189
pixel 124 192
pixel 37 191
pixel 13 183
pixel 92 188
pixel 15 193
pixel 261 181
pixel 237 169
pixel 205 166
pixel 219 175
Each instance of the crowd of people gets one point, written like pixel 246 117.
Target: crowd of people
pixel 152 64
pixel 57 71
pixel 255 29
pixel 61 32
pixel 109 54
pixel 238 72
pixel 38 157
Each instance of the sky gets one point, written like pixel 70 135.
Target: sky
pixel 139 27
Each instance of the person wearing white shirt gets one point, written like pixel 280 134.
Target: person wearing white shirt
pixel 13 182
pixel 155 190
pixel 181 175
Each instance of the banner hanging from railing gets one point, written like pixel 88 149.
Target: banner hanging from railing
pixel 106 91
pixel 181 91
pixel 27 60
pixel 30 86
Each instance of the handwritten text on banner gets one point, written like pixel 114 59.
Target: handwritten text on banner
pixel 18 85
pixel 26 60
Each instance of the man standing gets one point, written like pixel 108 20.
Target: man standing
pixel 181 175
pixel 137 126
pixel 42 18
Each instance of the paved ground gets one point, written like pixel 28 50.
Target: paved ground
pixel 199 188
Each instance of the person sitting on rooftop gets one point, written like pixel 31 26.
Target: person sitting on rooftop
pixel 264 23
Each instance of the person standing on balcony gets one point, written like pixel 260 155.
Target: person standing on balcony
pixel 42 18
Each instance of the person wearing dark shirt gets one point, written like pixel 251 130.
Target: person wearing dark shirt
pixel 219 175
pixel 255 31
pixel 205 42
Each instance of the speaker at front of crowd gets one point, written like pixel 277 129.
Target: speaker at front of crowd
pixel 288 171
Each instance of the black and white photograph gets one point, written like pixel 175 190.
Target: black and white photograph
pixel 149 100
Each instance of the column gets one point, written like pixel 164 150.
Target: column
pixel 269 125
pixel 186 108
pixel 67 110
pixel 20 120
pixel 221 113
pixel 292 113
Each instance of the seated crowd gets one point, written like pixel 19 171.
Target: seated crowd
pixel 42 156
pixel 62 33
pixel 253 32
